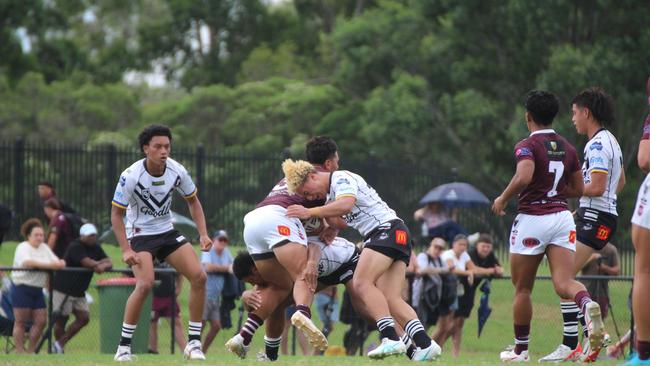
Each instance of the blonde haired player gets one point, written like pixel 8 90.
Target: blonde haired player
pixel 382 265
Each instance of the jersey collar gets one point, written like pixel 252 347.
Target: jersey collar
pixel 546 130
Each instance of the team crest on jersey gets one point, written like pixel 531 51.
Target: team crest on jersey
pixel 284 230
pixel 553 145
pixel 122 181
pixel 400 237
pixel 145 194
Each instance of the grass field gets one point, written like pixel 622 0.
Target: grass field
pixel 545 335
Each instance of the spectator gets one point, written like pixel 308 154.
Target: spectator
pixel 299 336
pixel 46 191
pixel 70 287
pixel 165 298
pixel 27 293
pixel 437 222
pixel 427 287
pixel 60 235
pixel 460 263
pixel 5 221
pixel 603 263
pixel 327 306
pixel 217 264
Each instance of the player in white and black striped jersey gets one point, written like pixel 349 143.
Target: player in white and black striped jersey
pixel 144 192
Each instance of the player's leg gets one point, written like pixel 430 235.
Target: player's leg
pixel 273 335
pixel 640 294
pixel 390 284
pixel 185 261
pixel 523 269
pixel 561 260
pixel 144 276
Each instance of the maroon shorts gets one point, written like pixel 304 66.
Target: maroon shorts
pixel 161 307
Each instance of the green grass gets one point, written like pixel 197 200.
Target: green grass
pixel 545 335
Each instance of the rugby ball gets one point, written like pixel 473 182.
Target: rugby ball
pixel 313 225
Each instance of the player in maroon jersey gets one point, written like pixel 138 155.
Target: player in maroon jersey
pixel 547 174
pixel 641 241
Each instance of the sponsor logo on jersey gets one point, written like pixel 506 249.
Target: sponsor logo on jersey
pixel 177 183
pixel 523 151
pixel 554 149
pixel 342 181
pixel 572 236
pixel 284 230
pixel 145 194
pixel 603 232
pixel 158 183
pixel 530 242
pixel 180 238
pixel 162 212
pixel 596 146
pixel 596 160
pixel 401 237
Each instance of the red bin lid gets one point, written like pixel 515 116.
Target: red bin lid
pixel 117 281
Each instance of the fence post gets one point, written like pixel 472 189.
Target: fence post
pixel 200 171
pixel 19 179
pixel 173 319
pixel 111 171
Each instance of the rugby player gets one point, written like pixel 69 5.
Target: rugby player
pixel 382 266
pixel 547 174
pixel 278 245
pixel 597 216
pixel 641 241
pixel 144 192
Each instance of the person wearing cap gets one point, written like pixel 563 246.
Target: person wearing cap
pixel 70 287
pixel 216 263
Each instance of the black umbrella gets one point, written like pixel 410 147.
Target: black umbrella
pixel 456 194
pixel 484 309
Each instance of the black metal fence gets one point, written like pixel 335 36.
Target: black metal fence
pixel 229 185
pixel 546 332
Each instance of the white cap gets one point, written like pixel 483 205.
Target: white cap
pixel 87 229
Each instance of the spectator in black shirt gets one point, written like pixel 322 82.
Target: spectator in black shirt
pixel 164 295
pixel 69 295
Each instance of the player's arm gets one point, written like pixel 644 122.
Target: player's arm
pixel 598 184
pixel 336 222
pixel 522 178
pixel 621 180
pixel 196 211
pixel 576 185
pixel 340 207
pixel 643 157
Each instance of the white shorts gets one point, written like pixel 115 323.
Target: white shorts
pixel 641 216
pixel 268 226
pixel 531 234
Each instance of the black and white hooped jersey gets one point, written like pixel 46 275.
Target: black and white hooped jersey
pixel 148 199
pixel 603 155
pixel 369 211
pixel 333 255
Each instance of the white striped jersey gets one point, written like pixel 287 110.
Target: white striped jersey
pixel 369 210
pixel 334 255
pixel 148 199
pixel 602 155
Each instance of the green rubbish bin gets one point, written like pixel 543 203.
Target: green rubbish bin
pixel 113 293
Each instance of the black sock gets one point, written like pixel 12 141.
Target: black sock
pixel 194 331
pixel 272 345
pixel 127 334
pixel 570 313
pixel 415 330
pixel 583 323
pixel 386 326
pixel 410 347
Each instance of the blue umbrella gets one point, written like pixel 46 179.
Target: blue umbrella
pixel 455 194
pixel 484 309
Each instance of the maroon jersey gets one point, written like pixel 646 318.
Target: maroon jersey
pixel 555 160
pixel 646 128
pixel 280 196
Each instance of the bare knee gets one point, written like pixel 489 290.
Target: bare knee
pixel 143 286
pixel 198 279
pixel 562 289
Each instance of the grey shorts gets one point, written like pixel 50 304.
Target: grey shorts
pixel 70 304
pixel 211 309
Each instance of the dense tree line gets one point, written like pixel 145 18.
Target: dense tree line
pixel 434 84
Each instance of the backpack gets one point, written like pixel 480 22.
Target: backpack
pixel 76 222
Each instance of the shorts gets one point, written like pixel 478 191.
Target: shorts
pixel 161 307
pixel 267 227
pixel 65 306
pixel 641 216
pixel 212 309
pixel 391 239
pixel 344 273
pixel 595 228
pixel 27 297
pixel 159 245
pixel 466 303
pixel 531 234
pixel 327 308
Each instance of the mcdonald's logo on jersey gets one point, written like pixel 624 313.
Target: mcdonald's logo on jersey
pixel 400 237
pixel 572 236
pixel 284 230
pixel 603 232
